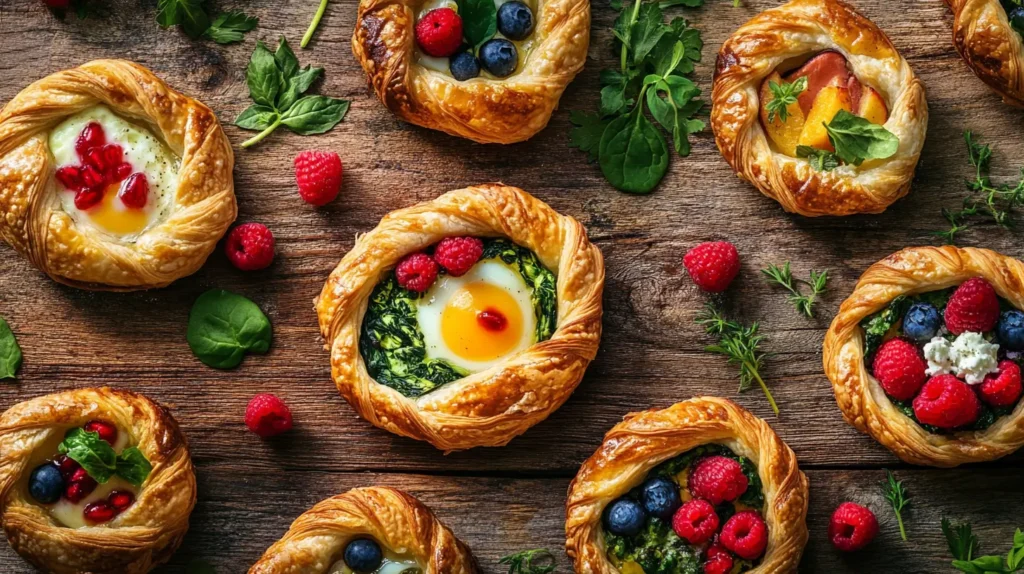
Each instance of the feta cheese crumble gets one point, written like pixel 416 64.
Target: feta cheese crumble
pixel 969 357
pixel 936 352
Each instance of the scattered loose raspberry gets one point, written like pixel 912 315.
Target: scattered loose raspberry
pixel 972 307
pixel 696 521
pixel 107 431
pixel 416 272
pixel 458 254
pixel 946 402
pixel 852 527
pixel 1002 389
pixel 439 32
pixel 718 560
pixel 713 265
pixel 318 175
pixel 899 368
pixel 267 415
pixel 745 534
pixel 717 479
pixel 250 246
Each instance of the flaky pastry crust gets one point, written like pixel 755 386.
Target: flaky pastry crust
pixel 396 520
pixel 992 49
pixel 798 29
pixel 484 110
pixel 862 400
pixel 491 407
pixel 643 440
pixel 140 538
pixel 32 220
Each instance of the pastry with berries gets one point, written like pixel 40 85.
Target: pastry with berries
pixel 925 355
pixel 702 486
pixel 94 480
pixel 988 36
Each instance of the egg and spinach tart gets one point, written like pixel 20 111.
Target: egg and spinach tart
pixel 465 320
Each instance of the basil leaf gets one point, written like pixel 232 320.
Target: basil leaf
pixel 95 455
pixel 479 20
pixel 256 117
pixel 297 85
pixel 263 76
pixel 228 27
pixel 586 133
pixel 133 466
pixel 633 155
pixel 314 114
pixel 10 352
pixel 285 59
pixel 856 139
pixel 189 14
pixel 223 327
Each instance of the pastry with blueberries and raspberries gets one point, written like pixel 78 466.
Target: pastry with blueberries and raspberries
pixel 926 354
pixel 988 36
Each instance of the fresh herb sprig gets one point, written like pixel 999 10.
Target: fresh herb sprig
pixel 10 352
pixel 741 344
pixel 192 17
pixel 803 303
pixel 897 496
pixel 854 139
pixel 963 544
pixel 820 159
pixel 523 562
pixel 961 541
pixel 784 94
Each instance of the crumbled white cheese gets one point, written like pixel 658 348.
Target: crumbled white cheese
pixel 936 352
pixel 974 357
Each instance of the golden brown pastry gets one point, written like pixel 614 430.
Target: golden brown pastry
pixel 486 109
pixel 866 77
pixel 672 444
pixel 475 359
pixel 991 47
pixel 111 180
pixel 125 528
pixel 928 275
pixel 367 524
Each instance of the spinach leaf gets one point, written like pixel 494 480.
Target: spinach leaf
pixel 876 326
pixel 657 549
pixel 10 352
pixel 95 455
pixel 133 466
pixel 314 114
pixel 223 327
pixel 857 139
pixel 228 27
pixel 189 14
pixel 633 155
pixel 263 76
pixel 479 20
pixel 256 117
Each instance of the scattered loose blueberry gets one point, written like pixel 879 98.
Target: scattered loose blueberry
pixel 1011 330
pixel 515 20
pixel 46 484
pixel 921 322
pixel 661 498
pixel 625 517
pixel 363 555
pixel 464 66
pixel 499 57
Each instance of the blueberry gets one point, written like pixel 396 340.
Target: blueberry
pixel 499 57
pixel 1011 330
pixel 464 66
pixel 515 21
pixel 921 322
pixel 661 498
pixel 1016 17
pixel 363 555
pixel 46 484
pixel 625 517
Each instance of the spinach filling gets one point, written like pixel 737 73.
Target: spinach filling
pixel 391 341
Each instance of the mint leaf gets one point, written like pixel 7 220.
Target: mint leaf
pixel 223 327
pixel 229 27
pixel 856 139
pixel 10 352
pixel 314 114
pixel 95 455
pixel 133 466
pixel 479 20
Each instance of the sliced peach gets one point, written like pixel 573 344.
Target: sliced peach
pixel 783 134
pixel 872 107
pixel 825 69
pixel 827 104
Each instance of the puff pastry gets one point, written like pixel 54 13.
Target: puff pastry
pixel 33 220
pixel 490 407
pixel 392 518
pixel 797 30
pixel 863 402
pixel 143 536
pixel 485 110
pixel 991 47
pixel 632 448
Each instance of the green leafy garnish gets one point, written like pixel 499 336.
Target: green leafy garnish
pixel 657 549
pixel 784 95
pixel 229 27
pixel 223 327
pixel 276 85
pixel 479 20
pixel 783 277
pixel 896 494
pixel 191 15
pixel 314 24
pixel 820 160
pixel 741 344
pixel 963 544
pixel 876 326
pixel 10 352
pixel 856 139
pixel 752 497
pixel 133 466
pixel 98 458
pixel 523 562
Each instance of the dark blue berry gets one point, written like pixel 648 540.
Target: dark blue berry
pixel 515 21
pixel 464 66
pixel 499 57
pixel 1016 17
pixel 625 517
pixel 46 484
pixel 363 555
pixel 921 322
pixel 1011 330
pixel 661 498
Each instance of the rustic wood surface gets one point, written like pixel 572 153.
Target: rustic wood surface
pixel 507 499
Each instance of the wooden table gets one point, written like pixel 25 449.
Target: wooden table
pixel 507 499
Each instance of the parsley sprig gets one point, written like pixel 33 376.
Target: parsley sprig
pixel 784 94
pixel 963 544
pixel 741 344
pixel 191 15
pixel 897 496
pixel 522 562
pixel 803 303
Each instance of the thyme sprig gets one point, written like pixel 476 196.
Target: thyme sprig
pixel 522 562
pixel 741 344
pixel 803 303
pixel 897 496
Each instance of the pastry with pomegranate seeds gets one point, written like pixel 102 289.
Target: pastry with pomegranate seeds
pixel 987 34
pixel 702 486
pixel 924 355
pixel 111 180
pixel 814 106
pixel 94 480
pixel 372 530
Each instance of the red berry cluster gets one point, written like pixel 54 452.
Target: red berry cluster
pixel 102 164
pixel 456 255
pixel 78 483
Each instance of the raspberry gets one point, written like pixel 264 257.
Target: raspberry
pixel 946 402
pixel 1002 389
pixel 458 254
pixel 717 479
pixel 416 272
pixel 719 561
pixel 250 246
pixel 899 368
pixel 852 527
pixel 439 32
pixel 318 175
pixel 695 521
pixel 745 534
pixel 713 265
pixel 972 307
pixel 267 415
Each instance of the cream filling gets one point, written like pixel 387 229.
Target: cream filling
pixel 393 564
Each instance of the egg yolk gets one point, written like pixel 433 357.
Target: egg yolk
pixel 481 322
pixel 113 216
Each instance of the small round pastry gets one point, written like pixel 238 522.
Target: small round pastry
pixel 465 320
pixel 373 530
pixel 789 71
pixel 419 59
pixel 924 355
pixel 701 486
pixel 111 180
pixel 94 480
pixel 987 34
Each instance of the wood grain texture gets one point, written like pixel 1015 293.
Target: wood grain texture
pixel 498 500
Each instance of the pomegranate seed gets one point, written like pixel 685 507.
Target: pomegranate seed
pixel 105 159
pixel 121 499
pixel 87 198
pixel 135 191
pixel 92 178
pixel 67 466
pixel 492 320
pixel 70 176
pixel 100 511
pixel 92 135
pixel 107 431
pixel 122 171
pixel 79 487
